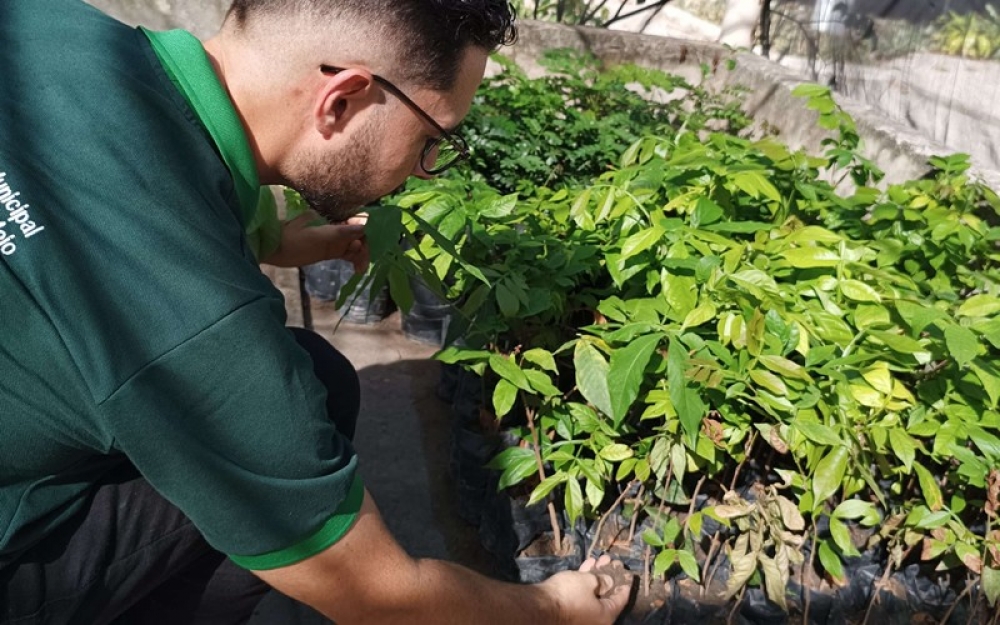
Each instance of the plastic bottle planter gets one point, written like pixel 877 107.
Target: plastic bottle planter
pixel 537 562
pixel 508 524
pixel 470 451
pixel 429 318
pixel 471 448
pixel 324 281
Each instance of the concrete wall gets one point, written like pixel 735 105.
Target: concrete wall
pixel 896 148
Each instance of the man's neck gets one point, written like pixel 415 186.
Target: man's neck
pixel 227 74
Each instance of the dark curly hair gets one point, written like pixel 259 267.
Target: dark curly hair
pixel 430 35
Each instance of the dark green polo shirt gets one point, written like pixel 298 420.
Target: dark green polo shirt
pixel 135 325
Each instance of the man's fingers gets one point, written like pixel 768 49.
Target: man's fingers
pixel 605 585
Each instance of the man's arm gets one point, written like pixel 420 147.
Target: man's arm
pixel 366 577
pixel 304 243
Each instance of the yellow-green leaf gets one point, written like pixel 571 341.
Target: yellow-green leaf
pixel 858 291
pixel 879 377
pixel 930 488
pixel 979 306
pixel 811 257
pixel 768 380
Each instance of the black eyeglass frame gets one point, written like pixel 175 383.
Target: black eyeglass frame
pixel 456 140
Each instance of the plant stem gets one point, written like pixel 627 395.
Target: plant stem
pixel 877 586
pixel 705 575
pixel 635 513
pixel 604 517
pixel 968 588
pixel 553 517
pixel 739 467
pixel 810 564
pixel 736 605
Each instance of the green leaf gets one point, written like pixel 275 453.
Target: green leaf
pixel 573 501
pixel 445 244
pixel 899 342
pixel 706 212
pixel 810 90
pixel 830 474
pixel 842 537
pixel 504 396
pixel 686 400
pixel 811 257
pixel 962 343
pixel 627 373
pixel 785 367
pixel 903 446
pixel 854 509
pixel 663 561
pixel 689 565
pixel 507 299
pixel 595 493
pixel 918 316
pixel 755 281
pixel 543 358
pixel 754 184
pixel 991 584
pixel 769 381
pixel 507 369
pixel 616 452
pixel 930 488
pixel 547 486
pixel 517 467
pixel 641 241
pixel 541 382
pixel 580 211
pixel 858 291
pixel 499 207
pixel 818 433
pixel 592 376
pixel 990 379
pixel 452 355
pixel 383 230
pixel 979 306
pixel 701 314
pixel 831 561
pixel 399 287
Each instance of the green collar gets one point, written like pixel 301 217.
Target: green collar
pixel 185 61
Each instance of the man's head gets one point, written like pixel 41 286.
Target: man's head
pixel 344 138
pixel 423 40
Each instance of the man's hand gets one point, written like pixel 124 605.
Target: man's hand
pixel 303 243
pixel 596 594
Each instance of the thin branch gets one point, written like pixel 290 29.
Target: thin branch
pixel 811 563
pixel 553 517
pixel 587 16
pixel 635 513
pixel 618 18
pixel 968 588
pixel 604 517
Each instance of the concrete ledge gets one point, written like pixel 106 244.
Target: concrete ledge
pixel 899 150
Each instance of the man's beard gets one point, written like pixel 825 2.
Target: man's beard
pixel 338 191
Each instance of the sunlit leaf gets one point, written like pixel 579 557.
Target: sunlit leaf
pixel 592 376
pixel 626 373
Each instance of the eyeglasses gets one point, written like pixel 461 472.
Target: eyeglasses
pixel 440 152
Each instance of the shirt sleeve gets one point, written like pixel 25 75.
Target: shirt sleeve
pixel 231 427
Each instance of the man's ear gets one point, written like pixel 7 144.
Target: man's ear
pixel 342 96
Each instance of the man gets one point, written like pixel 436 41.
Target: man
pixel 163 432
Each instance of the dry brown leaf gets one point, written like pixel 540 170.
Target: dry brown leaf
pixel 993 493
